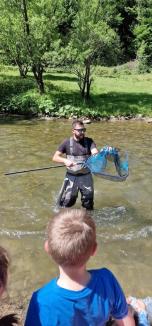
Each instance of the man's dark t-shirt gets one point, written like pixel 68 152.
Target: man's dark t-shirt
pixel 79 147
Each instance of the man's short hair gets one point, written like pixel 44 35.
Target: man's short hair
pixel 77 122
pixel 71 237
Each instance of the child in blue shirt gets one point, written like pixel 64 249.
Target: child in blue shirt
pixel 77 297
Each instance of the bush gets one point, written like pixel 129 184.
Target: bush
pixel 143 66
pixel 47 106
pixel 20 104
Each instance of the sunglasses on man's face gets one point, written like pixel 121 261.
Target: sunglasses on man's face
pixel 80 130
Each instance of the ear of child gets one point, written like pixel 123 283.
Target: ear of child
pixel 46 246
pixel 94 250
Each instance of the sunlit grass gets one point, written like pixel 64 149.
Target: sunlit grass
pixel 113 92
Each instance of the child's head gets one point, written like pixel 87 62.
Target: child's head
pixel 4 264
pixel 71 237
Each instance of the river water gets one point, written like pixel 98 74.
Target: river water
pixel 123 211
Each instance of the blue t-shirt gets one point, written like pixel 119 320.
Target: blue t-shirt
pixel 91 306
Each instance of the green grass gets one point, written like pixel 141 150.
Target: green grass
pixel 115 91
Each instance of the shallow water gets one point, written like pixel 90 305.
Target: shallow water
pixel 123 211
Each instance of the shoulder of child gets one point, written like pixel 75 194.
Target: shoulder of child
pixel 104 273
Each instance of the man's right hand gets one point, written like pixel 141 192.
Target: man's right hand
pixel 69 163
pixel 60 159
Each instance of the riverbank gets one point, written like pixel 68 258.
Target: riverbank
pixel 8 117
pixel 116 93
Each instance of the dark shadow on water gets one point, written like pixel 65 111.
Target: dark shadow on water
pixel 13 119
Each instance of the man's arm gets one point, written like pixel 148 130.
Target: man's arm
pixel 126 321
pixel 58 157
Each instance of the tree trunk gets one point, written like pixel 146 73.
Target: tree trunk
pixel 37 68
pixel 85 91
pixel 88 81
pixel 23 67
pixel 22 70
pixel 38 74
pixel 25 15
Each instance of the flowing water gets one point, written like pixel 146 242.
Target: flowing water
pixel 123 211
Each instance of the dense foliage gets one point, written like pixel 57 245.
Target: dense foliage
pixel 78 35
pixel 143 32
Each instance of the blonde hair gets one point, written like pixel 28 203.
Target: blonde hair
pixel 4 264
pixel 71 237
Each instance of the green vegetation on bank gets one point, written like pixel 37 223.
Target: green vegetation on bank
pixel 76 34
pixel 118 91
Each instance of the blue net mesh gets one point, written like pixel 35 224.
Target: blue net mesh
pixel 98 163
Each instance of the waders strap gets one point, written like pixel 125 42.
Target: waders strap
pixel 72 146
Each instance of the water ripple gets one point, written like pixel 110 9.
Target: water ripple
pixel 143 233
pixel 19 233
pixel 109 214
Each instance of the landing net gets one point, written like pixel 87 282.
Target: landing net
pixel 98 164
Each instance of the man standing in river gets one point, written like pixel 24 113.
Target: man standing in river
pixel 78 178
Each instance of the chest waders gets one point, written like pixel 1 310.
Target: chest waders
pixel 78 178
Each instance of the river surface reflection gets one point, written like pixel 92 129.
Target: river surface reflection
pixel 123 211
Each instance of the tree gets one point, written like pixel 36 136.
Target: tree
pixel 12 40
pixel 29 34
pixel 66 16
pixel 121 16
pixel 92 42
pixel 40 31
pixel 143 32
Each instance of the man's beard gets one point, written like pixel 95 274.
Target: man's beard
pixel 79 137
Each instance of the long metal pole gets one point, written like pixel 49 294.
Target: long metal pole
pixel 32 170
